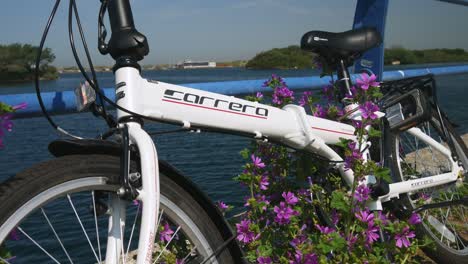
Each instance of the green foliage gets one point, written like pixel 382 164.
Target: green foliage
pixel 405 56
pixel 291 57
pixel 17 62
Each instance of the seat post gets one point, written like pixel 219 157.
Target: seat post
pixel 344 80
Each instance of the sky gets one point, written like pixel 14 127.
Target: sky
pixel 221 30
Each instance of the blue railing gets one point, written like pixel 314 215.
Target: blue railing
pixel 64 102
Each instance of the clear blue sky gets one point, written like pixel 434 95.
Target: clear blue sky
pixel 237 29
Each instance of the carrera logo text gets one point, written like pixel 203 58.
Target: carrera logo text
pixel 417 184
pixel 216 104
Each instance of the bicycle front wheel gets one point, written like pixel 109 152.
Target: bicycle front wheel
pixel 58 212
pixel 413 159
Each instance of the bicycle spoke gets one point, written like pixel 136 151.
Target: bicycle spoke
pixel 82 227
pixel 38 245
pixel 56 235
pixel 96 224
pixel 133 229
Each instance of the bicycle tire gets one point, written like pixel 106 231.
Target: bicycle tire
pixel 451 246
pixel 43 183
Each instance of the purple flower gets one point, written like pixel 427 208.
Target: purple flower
pixel 243 233
pixel 325 229
pixel 402 239
pixel 264 260
pixel 283 213
pixel 299 239
pixel 362 193
pixel 328 91
pixel 300 258
pixel 263 184
pixel 14 235
pixel 305 98
pixel 353 91
pixel 368 110
pixel 290 198
pixel 371 233
pixel 166 233
pixel 365 81
pixel 20 106
pixel 320 111
pixel 365 216
pixel 351 240
pixel 257 162
pixel 415 219
pixel 281 95
pixel 259 95
pixel 179 261
pixel 5 122
pixel 222 206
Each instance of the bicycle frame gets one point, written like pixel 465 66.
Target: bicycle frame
pixel 195 109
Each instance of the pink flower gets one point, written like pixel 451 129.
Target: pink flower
pixel 365 81
pixel 371 233
pixel 243 233
pixel 402 239
pixel 166 233
pixel 290 198
pixel 414 219
pixel 365 216
pixel 305 98
pixel 257 162
pixel 362 193
pixel 368 110
pixel 264 260
pixel 20 106
pixel 283 213
pixel 222 206
pixel 325 229
pixel 263 184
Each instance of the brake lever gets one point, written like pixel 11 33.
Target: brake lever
pixel 102 32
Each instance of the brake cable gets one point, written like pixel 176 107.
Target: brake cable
pixel 36 73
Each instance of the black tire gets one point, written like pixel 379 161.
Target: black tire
pixel 452 246
pixel 37 182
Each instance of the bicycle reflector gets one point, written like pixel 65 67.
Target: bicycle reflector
pixel 84 96
pixel 407 110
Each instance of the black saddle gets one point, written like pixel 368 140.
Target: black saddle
pixel 347 46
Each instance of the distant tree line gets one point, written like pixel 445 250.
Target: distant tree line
pixel 293 57
pixel 405 56
pixel 17 63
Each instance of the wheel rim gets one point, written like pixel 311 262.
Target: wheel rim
pixel 447 226
pixel 181 237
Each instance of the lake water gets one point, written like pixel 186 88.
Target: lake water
pixel 211 160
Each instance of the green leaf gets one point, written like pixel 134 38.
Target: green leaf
pixel 383 173
pixel 338 201
pixel 343 143
pixel 374 132
pixel 4 108
pixel 5 253
pixel 245 153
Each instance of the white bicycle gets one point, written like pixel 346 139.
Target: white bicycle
pixel 81 202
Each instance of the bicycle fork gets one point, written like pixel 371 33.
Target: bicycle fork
pixel 149 195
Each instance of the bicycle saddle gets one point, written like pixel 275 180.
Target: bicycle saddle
pixel 345 45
